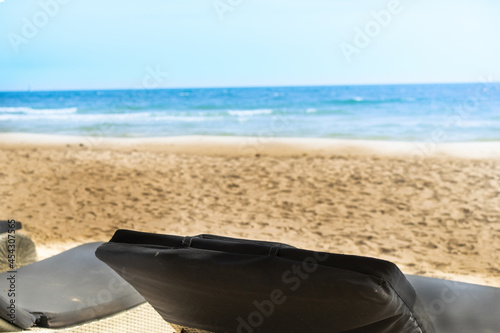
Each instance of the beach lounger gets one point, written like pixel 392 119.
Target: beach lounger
pixel 73 292
pixel 457 307
pixel 217 284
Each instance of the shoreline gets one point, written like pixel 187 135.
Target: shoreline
pixel 248 146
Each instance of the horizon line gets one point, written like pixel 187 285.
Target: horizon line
pixel 255 86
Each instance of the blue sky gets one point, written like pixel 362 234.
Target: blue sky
pixel 91 44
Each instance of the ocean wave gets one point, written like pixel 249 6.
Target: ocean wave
pixel 207 107
pixel 313 112
pixel 246 113
pixel 183 119
pixel 28 110
pixel 362 100
pixel 152 117
pixel 354 100
pixel 67 117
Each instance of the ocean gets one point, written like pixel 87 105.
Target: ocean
pixel 437 112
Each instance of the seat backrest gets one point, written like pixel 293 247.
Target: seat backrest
pixel 221 284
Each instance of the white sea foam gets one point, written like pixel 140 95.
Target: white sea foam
pixel 311 110
pixel 105 118
pixel 183 118
pixel 28 110
pixel 247 113
pixel 62 117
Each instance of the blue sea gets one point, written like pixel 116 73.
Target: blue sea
pixel 444 112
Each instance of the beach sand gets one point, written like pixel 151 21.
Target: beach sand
pixel 433 211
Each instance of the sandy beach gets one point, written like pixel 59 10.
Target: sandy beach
pixel 434 212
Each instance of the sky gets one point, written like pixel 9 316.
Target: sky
pixel 77 44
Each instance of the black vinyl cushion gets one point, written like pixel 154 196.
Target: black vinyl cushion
pixel 457 307
pixel 224 284
pixel 64 290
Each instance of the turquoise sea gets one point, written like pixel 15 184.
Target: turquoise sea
pixel 444 112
